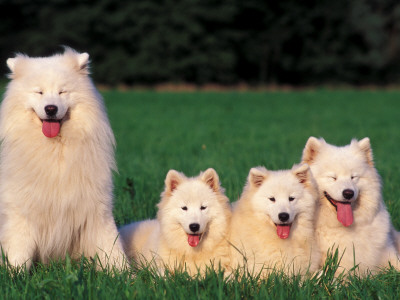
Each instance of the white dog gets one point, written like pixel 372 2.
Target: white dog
pixel 190 230
pixel 57 157
pixel 273 222
pixel 352 214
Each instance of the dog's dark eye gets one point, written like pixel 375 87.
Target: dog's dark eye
pixel 354 177
pixel 203 207
pixel 62 92
pixel 39 92
pixel 272 199
pixel 184 207
pixel 291 198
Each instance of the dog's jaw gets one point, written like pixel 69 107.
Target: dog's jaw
pixel 283 230
pixel 344 210
pixel 194 239
pixel 52 127
pixel 331 200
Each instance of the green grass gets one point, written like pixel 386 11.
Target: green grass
pixel 230 132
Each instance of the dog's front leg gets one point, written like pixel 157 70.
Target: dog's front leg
pixel 17 241
pixel 109 246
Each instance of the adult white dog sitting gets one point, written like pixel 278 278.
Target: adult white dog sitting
pixel 57 157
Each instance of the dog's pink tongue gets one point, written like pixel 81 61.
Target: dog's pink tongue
pixel 193 240
pixel 344 213
pixel 283 231
pixel 50 129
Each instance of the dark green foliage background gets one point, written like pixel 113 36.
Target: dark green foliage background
pixel 202 41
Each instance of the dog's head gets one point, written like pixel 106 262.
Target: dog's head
pixel 188 206
pixel 280 195
pixel 47 85
pixel 340 173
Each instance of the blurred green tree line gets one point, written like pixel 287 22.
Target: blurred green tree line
pixel 210 41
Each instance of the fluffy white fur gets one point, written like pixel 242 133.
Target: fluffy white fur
pixel 371 235
pixel 56 193
pixel 140 240
pixel 185 201
pixel 256 246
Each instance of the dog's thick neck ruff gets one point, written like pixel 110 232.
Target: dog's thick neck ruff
pixel 343 209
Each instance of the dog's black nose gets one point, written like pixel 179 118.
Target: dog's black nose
pixel 51 110
pixel 283 217
pixel 194 227
pixel 348 194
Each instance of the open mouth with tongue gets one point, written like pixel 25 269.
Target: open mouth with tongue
pixel 283 230
pixel 343 209
pixel 51 127
pixel 194 239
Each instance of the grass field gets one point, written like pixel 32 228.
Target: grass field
pixel 231 132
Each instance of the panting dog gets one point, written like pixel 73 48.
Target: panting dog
pixel 273 223
pixel 56 157
pixel 352 215
pixel 190 231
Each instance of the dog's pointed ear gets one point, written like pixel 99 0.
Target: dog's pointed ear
pixel 311 149
pixel 83 62
pixel 365 146
pixel 13 64
pixel 210 177
pixel 173 179
pixel 302 172
pixel 257 176
pixel 80 60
